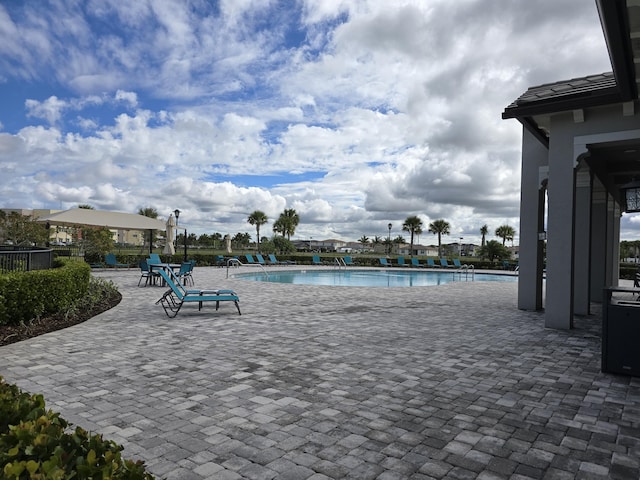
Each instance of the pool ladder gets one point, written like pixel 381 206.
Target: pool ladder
pixel 467 271
pixel 234 262
pixel 340 263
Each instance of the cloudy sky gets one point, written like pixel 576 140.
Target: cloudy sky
pixel 355 113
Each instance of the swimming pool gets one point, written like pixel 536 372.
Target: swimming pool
pixel 371 278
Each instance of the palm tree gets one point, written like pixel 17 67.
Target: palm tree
pixel 412 225
pixel 439 227
pixel 483 231
pixel 257 218
pixel 364 240
pixel 505 232
pixel 287 222
pixel 148 212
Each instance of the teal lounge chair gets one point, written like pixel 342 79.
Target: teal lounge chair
pixel 456 263
pixel 154 259
pixel 415 262
pixel 401 262
pixel 431 263
pixel 274 261
pixel 348 261
pixel 383 262
pixel 444 263
pixel 316 260
pixel 260 259
pixel 178 295
pixel 250 259
pixel 112 262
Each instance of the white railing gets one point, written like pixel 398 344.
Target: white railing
pixel 235 263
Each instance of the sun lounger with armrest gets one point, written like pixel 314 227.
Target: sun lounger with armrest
pixel 178 295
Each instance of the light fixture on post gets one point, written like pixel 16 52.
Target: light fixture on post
pixel 389 239
pixel 631 196
pixel 176 212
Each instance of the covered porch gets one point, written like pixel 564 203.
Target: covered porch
pixel 580 151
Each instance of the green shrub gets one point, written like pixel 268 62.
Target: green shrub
pixel 25 296
pixel 38 444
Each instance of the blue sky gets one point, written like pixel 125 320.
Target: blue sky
pixel 354 113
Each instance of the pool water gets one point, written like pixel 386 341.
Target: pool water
pixel 371 278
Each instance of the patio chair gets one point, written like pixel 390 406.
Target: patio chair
pixel 147 274
pixel 260 259
pixel 456 263
pixel 178 295
pixel 111 261
pixel 185 272
pixel 431 263
pixel 316 260
pixel 383 262
pixel 154 259
pixel 250 259
pixel 416 263
pixel 348 261
pixel 401 262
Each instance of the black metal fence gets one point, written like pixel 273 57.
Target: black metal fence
pixel 17 259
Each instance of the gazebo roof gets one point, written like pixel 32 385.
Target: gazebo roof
pixel 103 218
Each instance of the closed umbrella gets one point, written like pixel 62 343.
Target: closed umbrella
pixel 227 239
pixel 171 225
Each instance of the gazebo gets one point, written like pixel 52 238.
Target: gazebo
pixel 580 165
pixel 103 218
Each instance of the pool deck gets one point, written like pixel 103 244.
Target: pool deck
pixel 311 382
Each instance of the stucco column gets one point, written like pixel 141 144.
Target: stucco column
pixel 532 199
pixel 598 240
pixel 581 301
pixel 560 237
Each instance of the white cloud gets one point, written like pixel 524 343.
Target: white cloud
pixel 366 111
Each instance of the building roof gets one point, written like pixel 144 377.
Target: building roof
pixel 565 95
pixel 620 20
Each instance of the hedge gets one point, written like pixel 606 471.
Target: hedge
pixel 36 443
pixel 25 296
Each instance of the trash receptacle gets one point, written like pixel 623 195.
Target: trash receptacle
pixel 621 331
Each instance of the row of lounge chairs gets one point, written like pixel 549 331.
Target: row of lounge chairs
pixel 414 262
pixel 272 260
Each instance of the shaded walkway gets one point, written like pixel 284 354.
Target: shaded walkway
pixel 322 382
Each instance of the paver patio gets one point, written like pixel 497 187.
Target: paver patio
pixel 327 382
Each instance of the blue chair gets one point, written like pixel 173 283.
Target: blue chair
pixel 186 268
pixel 316 260
pixel 250 259
pixel 147 274
pixel 415 262
pixel 154 259
pixel 111 261
pixel 431 263
pixel 178 295
pixel 383 262
pixel 348 261
pixel 444 263
pixel 260 259
pixel 456 263
pixel 274 261
pixel 401 262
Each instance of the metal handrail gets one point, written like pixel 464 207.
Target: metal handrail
pixel 237 263
pixel 464 269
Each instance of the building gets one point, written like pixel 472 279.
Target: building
pixel 580 156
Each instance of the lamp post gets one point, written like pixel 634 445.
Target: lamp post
pixel 176 212
pixel 389 239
